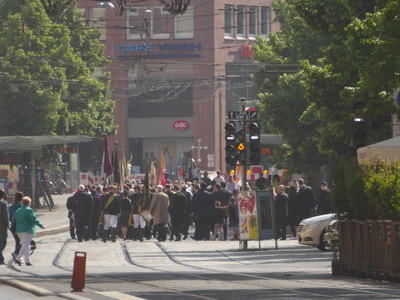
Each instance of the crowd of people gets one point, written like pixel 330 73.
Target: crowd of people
pixel 136 212
pixel 133 213
pixel 292 205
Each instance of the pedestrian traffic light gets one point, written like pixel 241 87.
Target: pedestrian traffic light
pixel 230 138
pixel 254 153
pixel 359 126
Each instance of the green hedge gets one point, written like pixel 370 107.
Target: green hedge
pixel 367 192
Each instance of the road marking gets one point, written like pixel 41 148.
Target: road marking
pixel 119 296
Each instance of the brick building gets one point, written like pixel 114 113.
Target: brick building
pixel 174 78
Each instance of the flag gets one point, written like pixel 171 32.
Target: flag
pixel 117 173
pixel 179 171
pixel 153 174
pixel 123 167
pixel 106 166
pixel 239 173
pixel 162 180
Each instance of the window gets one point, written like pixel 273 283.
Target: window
pixel 253 16
pixel 241 16
pixel 137 22
pixel 184 24
pixel 265 21
pixel 97 20
pixel 228 21
pixel 159 22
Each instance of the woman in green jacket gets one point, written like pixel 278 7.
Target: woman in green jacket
pixel 26 221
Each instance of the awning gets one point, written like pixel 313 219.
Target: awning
pixel 388 150
pixel 35 143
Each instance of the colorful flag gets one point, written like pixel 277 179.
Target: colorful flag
pixel 162 180
pixel 106 166
pixel 239 173
pixel 179 169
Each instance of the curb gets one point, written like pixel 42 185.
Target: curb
pixel 72 296
pixel 37 291
pixel 52 231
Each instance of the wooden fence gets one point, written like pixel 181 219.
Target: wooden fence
pixel 370 249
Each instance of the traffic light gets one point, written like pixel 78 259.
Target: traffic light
pixel 359 126
pixel 254 153
pixel 241 147
pixel 359 133
pixel 230 148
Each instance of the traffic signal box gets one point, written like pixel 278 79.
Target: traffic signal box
pixel 230 138
pixel 359 126
pixel 255 143
pixel 236 144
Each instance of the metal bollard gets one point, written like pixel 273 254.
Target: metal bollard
pixel 79 272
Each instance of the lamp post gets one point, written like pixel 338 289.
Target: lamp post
pixel 199 148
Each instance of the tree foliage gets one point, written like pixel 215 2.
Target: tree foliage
pixel 49 84
pixel 344 50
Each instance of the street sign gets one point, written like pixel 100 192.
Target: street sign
pixel 242 115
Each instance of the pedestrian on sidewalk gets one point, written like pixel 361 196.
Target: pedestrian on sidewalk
pixel 12 209
pixel 138 202
pixel 83 209
pixel 71 218
pixel 26 221
pixel 233 213
pixel 159 211
pixel 126 209
pixel 4 224
pixel 219 219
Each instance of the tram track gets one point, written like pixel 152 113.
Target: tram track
pixel 212 275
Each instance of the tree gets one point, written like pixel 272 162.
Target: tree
pixel 49 86
pixel 346 51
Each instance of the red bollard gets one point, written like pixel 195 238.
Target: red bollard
pixel 79 272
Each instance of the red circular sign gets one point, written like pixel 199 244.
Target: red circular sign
pixel 180 125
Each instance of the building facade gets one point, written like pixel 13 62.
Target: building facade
pixel 174 78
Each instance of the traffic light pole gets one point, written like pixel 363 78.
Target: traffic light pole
pixel 243 245
pixel 244 171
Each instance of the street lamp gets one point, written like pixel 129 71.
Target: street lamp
pixel 199 148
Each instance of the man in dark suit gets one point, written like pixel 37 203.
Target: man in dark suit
pixel 306 199
pixel 202 207
pixel 223 196
pixel 178 210
pixel 281 212
pixel 324 205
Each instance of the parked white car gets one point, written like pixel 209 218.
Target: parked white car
pixel 311 231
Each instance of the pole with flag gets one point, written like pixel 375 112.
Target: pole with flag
pixel 123 167
pixel 162 180
pixel 106 166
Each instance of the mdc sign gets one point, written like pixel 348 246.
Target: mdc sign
pixel 180 125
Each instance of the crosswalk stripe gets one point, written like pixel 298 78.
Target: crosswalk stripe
pixel 119 296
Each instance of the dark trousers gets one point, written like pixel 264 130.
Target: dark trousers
pixel 161 232
pixel 94 223
pixel 72 228
pixel 281 228
pixel 176 224
pixel 202 229
pixel 82 224
pixel 3 243
pixel 17 242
